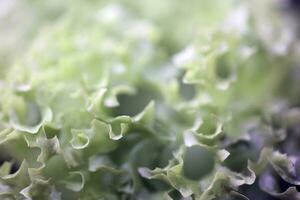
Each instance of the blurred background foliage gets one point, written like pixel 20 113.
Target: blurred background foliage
pixel 21 21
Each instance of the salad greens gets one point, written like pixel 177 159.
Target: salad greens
pixel 152 100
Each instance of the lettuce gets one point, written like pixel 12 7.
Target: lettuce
pixel 125 101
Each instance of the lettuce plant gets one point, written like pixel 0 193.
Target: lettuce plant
pixel 105 105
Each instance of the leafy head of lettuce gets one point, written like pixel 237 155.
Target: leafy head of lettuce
pixel 101 108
